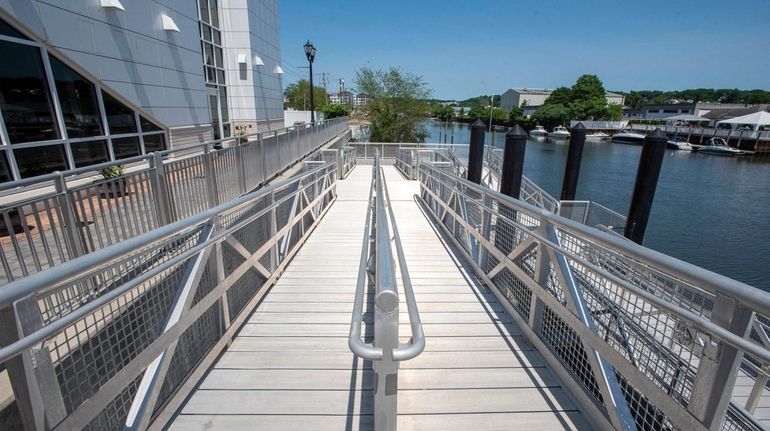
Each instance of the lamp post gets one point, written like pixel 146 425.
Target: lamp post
pixel 310 53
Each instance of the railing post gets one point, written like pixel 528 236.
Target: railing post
pixel 574 157
pixel 32 376
pixel 241 171
pixel 159 185
pixel 476 152
pixel 718 366
pixel 647 175
pixel 77 244
pixel 263 160
pixel 513 161
pixel 340 160
pixel 273 232
pixel 211 181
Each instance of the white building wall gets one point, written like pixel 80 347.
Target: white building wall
pixel 255 93
pixel 160 72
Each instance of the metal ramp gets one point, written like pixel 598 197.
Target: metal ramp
pixel 290 366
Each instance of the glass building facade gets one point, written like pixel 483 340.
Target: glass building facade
pixel 54 119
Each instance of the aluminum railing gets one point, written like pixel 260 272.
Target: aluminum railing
pixel 642 340
pixel 68 214
pixel 530 192
pixel 345 159
pixel 111 339
pixel 377 262
pixel 748 135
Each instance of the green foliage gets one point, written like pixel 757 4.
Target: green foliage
pixel 587 87
pixel 551 115
pixel 615 111
pixel 443 113
pixel 113 171
pixel 334 110
pixel 586 99
pixel 516 115
pixel 399 103
pixel 479 101
pixel 637 99
pixel 298 96
pixel 560 96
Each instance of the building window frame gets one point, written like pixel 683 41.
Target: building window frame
pixel 7 148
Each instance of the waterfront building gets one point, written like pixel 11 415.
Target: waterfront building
pixel 533 98
pixel 360 100
pixel 93 81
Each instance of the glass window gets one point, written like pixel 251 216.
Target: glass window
pixel 220 60
pixel 208 54
pixel 210 75
pixel 214 13
pixel 204 9
pixel 226 130
pixel 126 147
pixel 5 168
pixel 148 126
pixel 217 37
pixel 220 77
pixel 40 160
pixel 25 99
pixel 77 98
pixel 206 33
pixel 223 102
pixel 89 153
pixel 119 116
pixel 214 115
pixel 154 143
pixel 7 30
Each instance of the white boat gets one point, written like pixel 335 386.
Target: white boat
pixel 628 136
pixel 598 136
pixel 559 132
pixel 680 144
pixel 538 132
pixel 717 147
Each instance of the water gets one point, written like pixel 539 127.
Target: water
pixel 711 211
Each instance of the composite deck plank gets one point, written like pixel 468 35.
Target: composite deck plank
pixel 290 366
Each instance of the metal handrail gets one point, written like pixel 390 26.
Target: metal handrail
pixel 385 273
pixel 95 168
pixel 595 278
pixel 38 282
pixel 385 350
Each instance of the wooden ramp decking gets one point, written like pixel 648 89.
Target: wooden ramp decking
pixel 290 366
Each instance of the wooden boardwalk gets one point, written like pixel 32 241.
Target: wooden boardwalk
pixel 290 366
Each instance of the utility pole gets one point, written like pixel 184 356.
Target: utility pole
pixel 324 81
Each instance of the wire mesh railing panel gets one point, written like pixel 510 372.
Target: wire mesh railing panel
pixel 96 323
pixel 601 294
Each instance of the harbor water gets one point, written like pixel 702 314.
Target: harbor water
pixel 711 211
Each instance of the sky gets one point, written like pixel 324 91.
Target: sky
pixel 467 48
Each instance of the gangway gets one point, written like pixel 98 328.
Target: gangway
pixel 240 317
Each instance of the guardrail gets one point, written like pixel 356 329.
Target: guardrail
pixel 71 215
pixel 704 131
pixel 112 339
pixel 530 192
pixel 642 340
pixel 376 255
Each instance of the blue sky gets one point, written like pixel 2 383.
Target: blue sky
pixel 467 48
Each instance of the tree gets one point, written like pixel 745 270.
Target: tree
pixel 560 96
pixel 587 87
pixel 298 96
pixel 551 115
pixel 399 103
pixel 334 110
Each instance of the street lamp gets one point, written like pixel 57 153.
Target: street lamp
pixel 310 53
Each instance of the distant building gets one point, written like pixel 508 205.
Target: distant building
pixel 360 100
pixel 342 98
pixel 536 97
pixel 714 111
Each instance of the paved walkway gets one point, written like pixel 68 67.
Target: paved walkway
pixel 290 366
